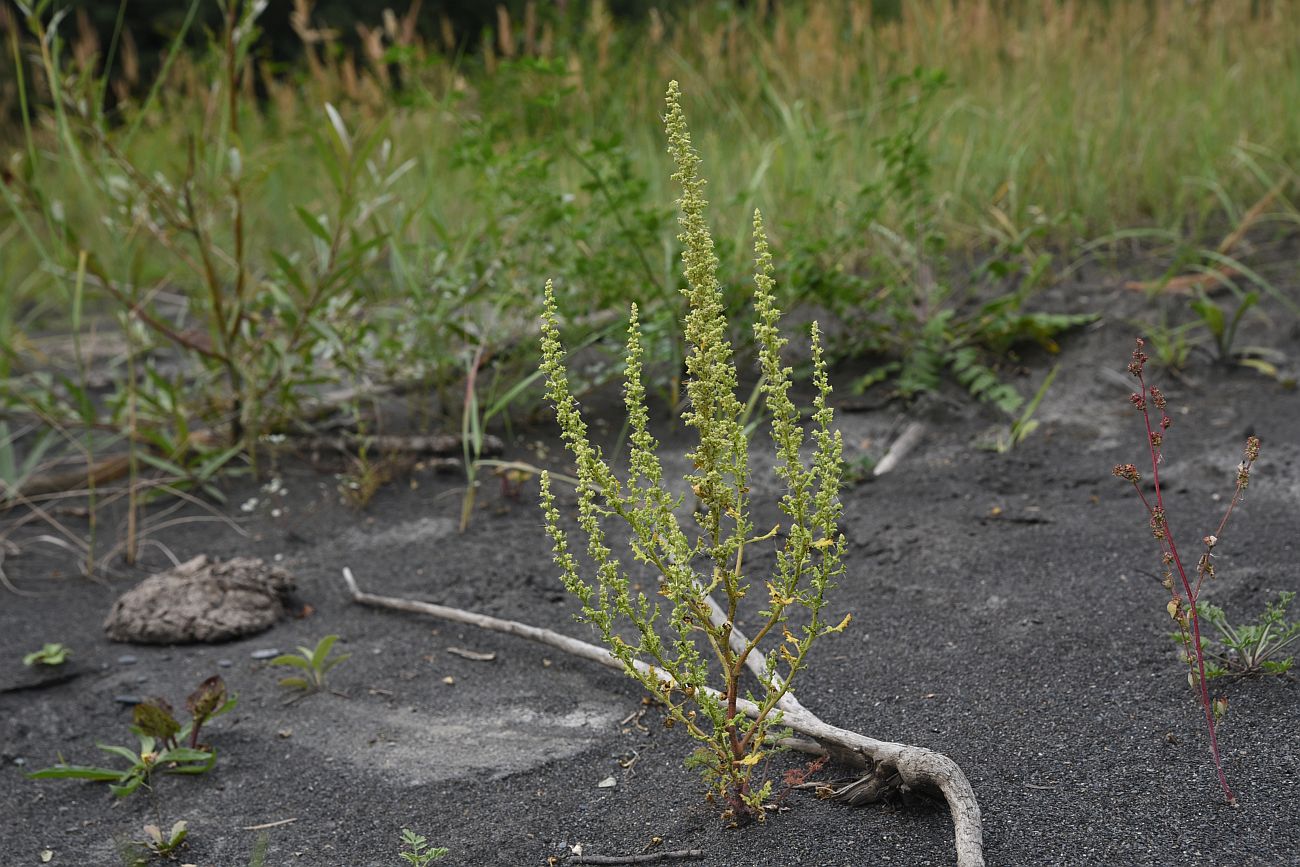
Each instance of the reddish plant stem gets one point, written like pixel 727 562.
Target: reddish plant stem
pixel 1168 542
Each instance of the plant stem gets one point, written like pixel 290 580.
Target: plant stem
pixel 1168 542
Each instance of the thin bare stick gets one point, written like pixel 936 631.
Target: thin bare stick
pixel 646 858
pixel 901 766
pixel 906 441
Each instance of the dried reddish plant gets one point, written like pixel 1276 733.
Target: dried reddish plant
pixel 1184 590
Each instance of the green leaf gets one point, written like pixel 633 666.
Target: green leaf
pixel 163 464
pixel 330 663
pixel 79 772
pixel 214 463
pixel 291 274
pixel 49 654
pixel 191 761
pixel 123 752
pixel 1211 315
pixel 323 650
pixel 292 660
pixel 313 224
pixel 132 783
pixel 295 682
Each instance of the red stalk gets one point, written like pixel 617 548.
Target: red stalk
pixel 1168 541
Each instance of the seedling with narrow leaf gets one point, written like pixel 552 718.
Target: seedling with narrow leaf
pixel 315 663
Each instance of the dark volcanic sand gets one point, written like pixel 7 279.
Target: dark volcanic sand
pixel 1004 609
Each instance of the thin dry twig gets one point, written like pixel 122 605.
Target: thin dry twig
pixel 265 825
pixel 906 441
pixel 901 766
pixel 646 858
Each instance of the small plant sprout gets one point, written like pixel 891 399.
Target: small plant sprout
pixel 166 845
pixel 1255 649
pixel 417 851
pixel 49 654
pixel 315 664
pixel 1184 589
pixel 688 571
pixel 163 743
pixel 155 845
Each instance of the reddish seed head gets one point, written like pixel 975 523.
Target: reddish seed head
pixel 1158 523
pixel 1127 472
pixel 1139 357
pixel 1252 448
pixel 1156 439
pixel 1243 474
pixel 1157 396
pixel 1165 422
pixel 1138 401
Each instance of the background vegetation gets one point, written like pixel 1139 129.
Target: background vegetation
pixel 232 224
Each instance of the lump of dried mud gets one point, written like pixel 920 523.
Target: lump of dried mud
pixel 201 601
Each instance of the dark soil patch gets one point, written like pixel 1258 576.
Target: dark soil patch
pixel 1005 614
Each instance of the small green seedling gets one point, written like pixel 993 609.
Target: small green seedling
pixel 143 763
pixel 156 844
pixel 416 849
pixel 161 740
pixel 1025 424
pixel 1253 650
pixel 49 654
pixel 166 845
pixel 314 663
pixel 1221 324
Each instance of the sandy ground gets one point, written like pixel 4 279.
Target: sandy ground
pixel 1005 613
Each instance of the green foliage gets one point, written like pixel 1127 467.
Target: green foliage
pixel 915 314
pixel 1222 324
pixel 155 845
pixel 1252 650
pixel 49 654
pixel 15 470
pixel 167 845
pixel 677 670
pixel 163 743
pixel 314 663
pixel 416 850
pixel 1025 424
pixel 1170 346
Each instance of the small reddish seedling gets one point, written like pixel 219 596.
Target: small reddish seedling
pixel 1183 590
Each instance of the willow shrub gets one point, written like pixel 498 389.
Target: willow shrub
pixel 697 673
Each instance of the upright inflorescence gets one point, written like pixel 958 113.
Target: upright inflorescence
pixel 1184 591
pixel 689 570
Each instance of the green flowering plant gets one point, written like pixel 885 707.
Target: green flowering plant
pixel 693 565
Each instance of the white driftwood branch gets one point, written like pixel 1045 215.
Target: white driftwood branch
pixel 917 768
pixel 906 441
